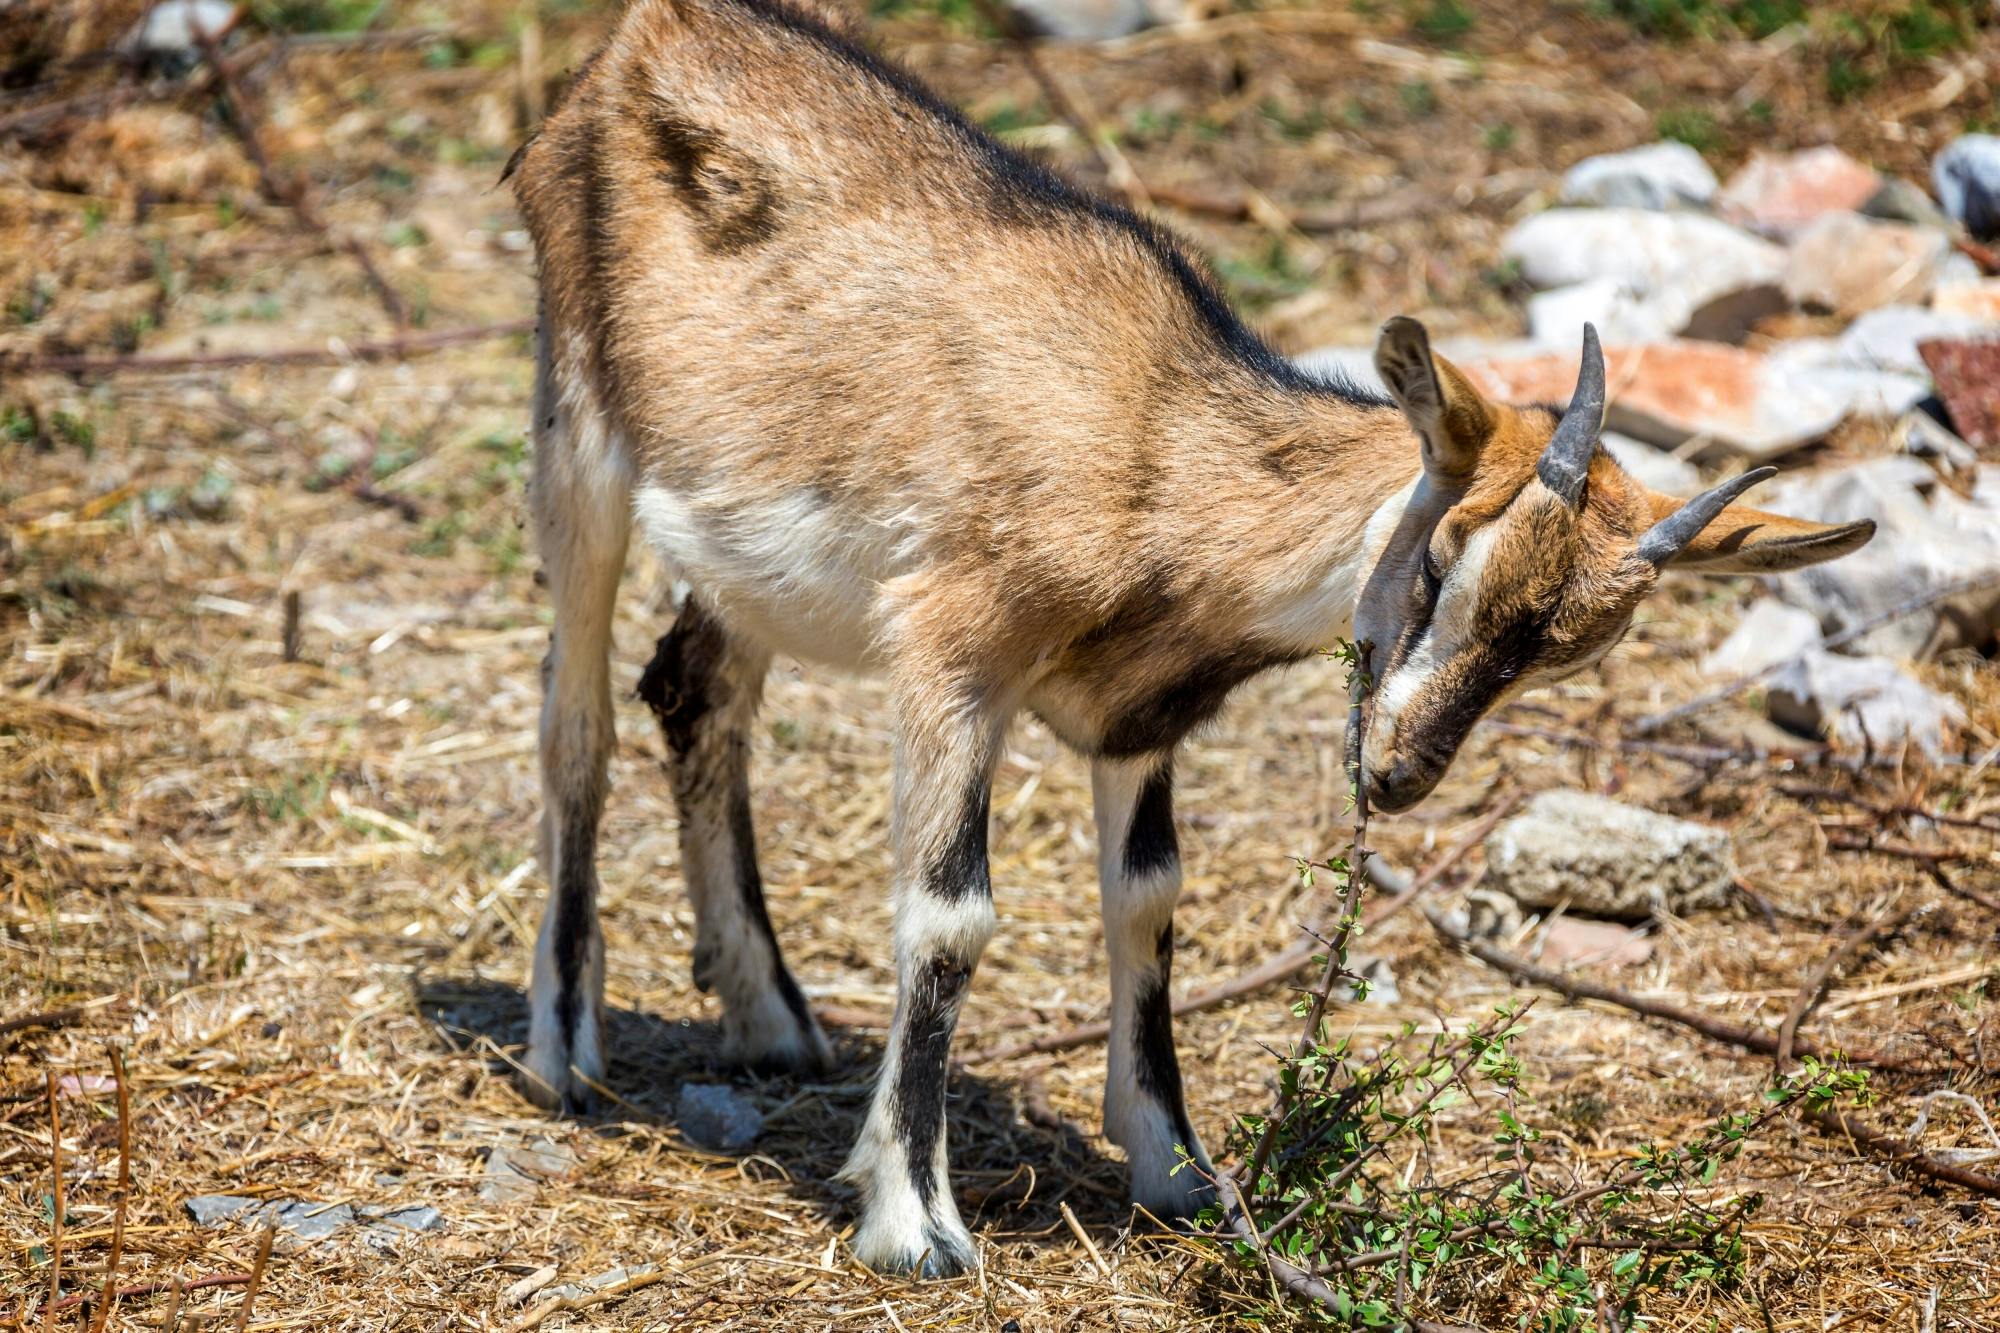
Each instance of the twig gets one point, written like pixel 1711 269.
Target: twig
pixel 334 354
pixel 1965 891
pixel 1734 1034
pixel 1280 965
pixel 1900 809
pixel 292 191
pixel 55 1242
pixel 256 1277
pixel 151 1288
pixel 1816 984
pixel 1872 1140
pixel 1653 722
pixel 1842 841
pixel 291 631
pixel 45 1018
pixel 124 1192
pixel 1089 1245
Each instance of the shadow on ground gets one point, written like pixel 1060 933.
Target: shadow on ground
pixel 1014 1161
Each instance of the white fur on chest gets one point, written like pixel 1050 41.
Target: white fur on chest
pixel 788 569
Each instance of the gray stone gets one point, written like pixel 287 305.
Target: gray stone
pixel 1593 855
pixel 306 1219
pixel 1658 176
pixel 1822 371
pixel 406 1217
pixel 1652 467
pixel 1862 703
pixel 1927 536
pixel 717 1116
pixel 1922 436
pixel 212 1210
pixel 1769 633
pixel 1665 268
pixel 1966 176
pixel 515 1172
pixel 1903 201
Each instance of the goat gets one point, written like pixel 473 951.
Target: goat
pixel 891 398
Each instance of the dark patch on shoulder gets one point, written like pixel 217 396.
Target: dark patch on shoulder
pixel 935 994
pixel 680 684
pixel 729 194
pixel 1160 720
pixel 960 871
pixel 1150 844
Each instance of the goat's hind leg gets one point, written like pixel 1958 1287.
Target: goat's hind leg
pixel 704 684
pixel 582 505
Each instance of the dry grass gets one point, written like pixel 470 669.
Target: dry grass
pixel 297 894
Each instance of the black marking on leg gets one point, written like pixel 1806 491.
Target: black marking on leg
pixel 1150 845
pixel 575 907
pixel 935 994
pixel 959 872
pixel 750 884
pixel 681 684
pixel 1159 1069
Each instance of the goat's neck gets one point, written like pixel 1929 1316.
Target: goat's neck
pixel 1310 487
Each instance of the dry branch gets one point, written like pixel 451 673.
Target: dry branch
pixel 1872 1140
pixel 56 1194
pixel 290 191
pixel 124 1192
pixel 336 353
pixel 1575 988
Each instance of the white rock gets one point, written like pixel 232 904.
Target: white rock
pixel 171 26
pixel 1862 702
pixel 1966 176
pixel 1620 314
pixel 1652 467
pixel 1849 264
pixel 1096 20
pixel 1824 371
pixel 1603 858
pixel 1658 176
pixel 1887 338
pixel 1674 264
pixel 1769 633
pixel 1350 365
pixel 1927 536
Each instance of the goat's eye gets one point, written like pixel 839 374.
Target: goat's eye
pixel 1433 580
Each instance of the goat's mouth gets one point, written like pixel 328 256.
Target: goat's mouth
pixel 1401 785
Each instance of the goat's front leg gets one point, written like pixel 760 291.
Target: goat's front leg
pixel 944 916
pixel 1139 879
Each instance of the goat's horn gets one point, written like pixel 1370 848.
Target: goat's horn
pixel 1671 535
pixel 1566 462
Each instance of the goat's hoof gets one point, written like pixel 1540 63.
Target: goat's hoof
pixel 937 1254
pixel 550 1083
pixel 770 1039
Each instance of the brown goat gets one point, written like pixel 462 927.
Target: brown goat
pixel 892 398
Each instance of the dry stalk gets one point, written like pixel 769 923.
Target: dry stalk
pixel 256 1277
pixel 124 1192
pixel 55 1241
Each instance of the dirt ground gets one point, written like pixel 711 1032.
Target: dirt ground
pixel 300 895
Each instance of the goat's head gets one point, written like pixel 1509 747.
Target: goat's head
pixel 1521 556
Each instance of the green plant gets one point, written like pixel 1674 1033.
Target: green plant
pixel 1693 126
pixel 1444 21
pixel 1498 138
pixel 1341 1198
pixel 1419 97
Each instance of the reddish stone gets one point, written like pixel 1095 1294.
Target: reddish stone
pixel 1850 264
pixel 1778 194
pixel 1967 373
pixel 1668 392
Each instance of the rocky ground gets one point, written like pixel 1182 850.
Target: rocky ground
pixel 294 884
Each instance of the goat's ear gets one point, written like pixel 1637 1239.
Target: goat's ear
pixel 1450 416
pixel 1741 540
